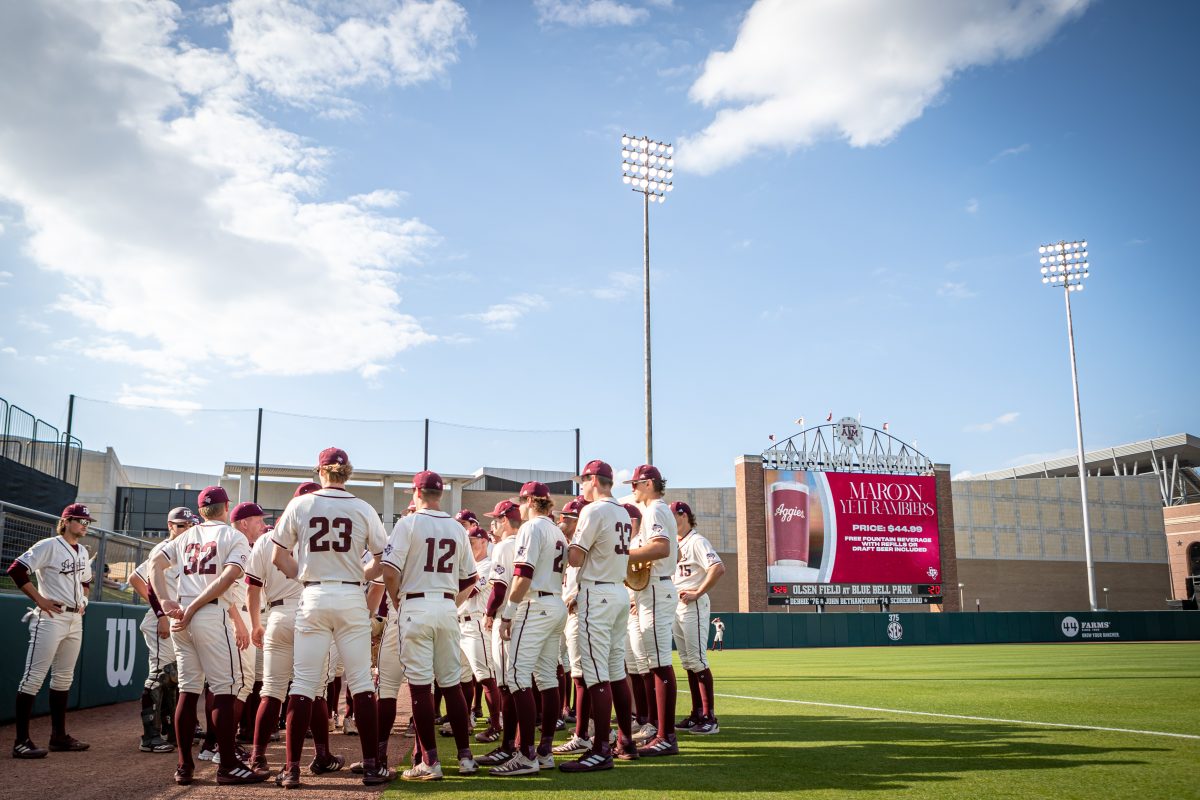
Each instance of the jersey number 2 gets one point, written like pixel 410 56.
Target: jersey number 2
pixel 447 548
pixel 199 559
pixel 317 543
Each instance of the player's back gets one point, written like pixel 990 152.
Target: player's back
pixel 542 547
pixel 659 523
pixel 201 554
pixel 603 533
pixel 330 529
pixel 431 550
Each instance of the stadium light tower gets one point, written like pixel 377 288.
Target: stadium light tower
pixel 1065 265
pixel 647 167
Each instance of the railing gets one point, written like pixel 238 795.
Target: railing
pixel 37 444
pixel 21 528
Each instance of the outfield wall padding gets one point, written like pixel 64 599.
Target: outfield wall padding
pixel 112 661
pixel 774 630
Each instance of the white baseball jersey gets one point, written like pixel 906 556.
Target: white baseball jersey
pixel 61 570
pixel 659 523
pixel 329 530
pixel 603 533
pixel 171 573
pixel 502 561
pixel 696 557
pixel 431 552
pixel 541 548
pixel 261 571
pixel 202 552
pixel 570 588
pixel 477 603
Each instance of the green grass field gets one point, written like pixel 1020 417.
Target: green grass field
pixel 777 749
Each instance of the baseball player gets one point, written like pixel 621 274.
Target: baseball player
pixel 64 573
pixel 162 680
pixel 579 741
pixel 532 622
pixel 269 589
pixel 329 529
pixel 476 645
pixel 718 634
pixel 636 663
pixel 601 551
pixel 248 519
pixel 656 605
pixel 211 558
pixel 697 572
pixel 431 567
pixel 506 521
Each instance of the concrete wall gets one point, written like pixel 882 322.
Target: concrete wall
pixel 1182 525
pixel 1010 585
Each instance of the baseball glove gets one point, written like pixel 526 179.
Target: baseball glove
pixel 637 575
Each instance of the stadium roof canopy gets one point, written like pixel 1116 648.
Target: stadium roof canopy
pixel 1172 459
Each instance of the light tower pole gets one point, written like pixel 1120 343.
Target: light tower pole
pixel 1065 264
pixel 647 167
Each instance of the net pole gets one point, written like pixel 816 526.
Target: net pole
pixel 257 453
pixel 66 451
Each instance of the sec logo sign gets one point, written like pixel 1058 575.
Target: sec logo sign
pixel 1070 627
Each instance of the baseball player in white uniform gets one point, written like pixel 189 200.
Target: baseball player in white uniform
pixel 601 550
pixel 476 644
pixel 269 589
pixel 656 604
pixel 64 573
pixel 211 557
pixel 636 664
pixel 329 530
pixel 249 520
pixel 506 521
pixel 162 680
pixel 431 567
pixel 579 742
pixel 532 622
pixel 697 572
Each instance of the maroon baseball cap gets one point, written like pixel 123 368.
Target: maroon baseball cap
pixel 308 487
pixel 212 496
pixel 77 511
pixel 634 511
pixel 245 511
pixel 596 467
pixel 478 533
pixel 506 508
pixel 573 507
pixel 680 507
pixel 180 514
pixel 427 479
pixel 535 489
pixel 645 472
pixel 466 515
pixel 332 455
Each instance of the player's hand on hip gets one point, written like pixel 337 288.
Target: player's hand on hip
pixel 506 629
pixel 257 636
pixel 164 627
pixel 49 606
pixel 687 596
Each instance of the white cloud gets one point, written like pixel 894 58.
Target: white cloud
pixel 8 351
pixel 972 206
pixel 5 277
pixel 858 70
pixel 620 286
pixel 1004 419
pixel 962 476
pixel 1010 151
pixel 308 51
pixel 584 13
pixel 955 290
pixel 185 225
pixel 504 316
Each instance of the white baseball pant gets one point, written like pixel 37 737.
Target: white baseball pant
pixel 205 650
pixel 162 652
pixel 536 629
pixel 279 649
pixel 54 644
pixel 499 656
pixel 328 614
pixel 691 633
pixel 429 648
pixel 656 617
pixel 603 611
pixel 391 671
pixel 476 648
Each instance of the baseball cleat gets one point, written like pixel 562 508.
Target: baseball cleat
pixel 288 778
pixel 423 772
pixel 239 774
pixel 627 751
pixel 660 747
pixel 497 756
pixel 559 725
pixel 156 744
pixel 206 754
pixel 357 768
pixel 67 744
pixel 545 761
pixel 374 776
pixel 687 723
pixel 348 727
pixel 319 766
pixel 517 765
pixel 259 764
pixel 467 766
pixel 645 734
pixel 183 777
pixel 446 729
pixel 569 717
pixel 488 735
pixel 572 746
pixel 592 761
pixel 27 749
pixel 706 727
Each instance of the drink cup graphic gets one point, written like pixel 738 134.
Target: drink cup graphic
pixel 789 525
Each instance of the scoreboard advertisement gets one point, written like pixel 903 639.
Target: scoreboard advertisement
pixel 852 538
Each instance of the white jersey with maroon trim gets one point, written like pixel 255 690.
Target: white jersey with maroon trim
pixel 603 533
pixel 431 552
pixel 261 571
pixel 61 570
pixel 171 573
pixel 570 587
pixel 541 549
pixel 202 552
pixel 502 561
pixel 329 529
pixel 477 602
pixel 659 523
pixel 696 558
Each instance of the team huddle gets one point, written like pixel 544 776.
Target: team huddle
pixel 552 622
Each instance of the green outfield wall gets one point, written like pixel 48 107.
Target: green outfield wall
pixel 767 630
pixel 112 660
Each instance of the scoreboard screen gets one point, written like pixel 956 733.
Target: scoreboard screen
pixel 853 594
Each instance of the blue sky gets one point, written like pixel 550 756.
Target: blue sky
pixel 390 210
